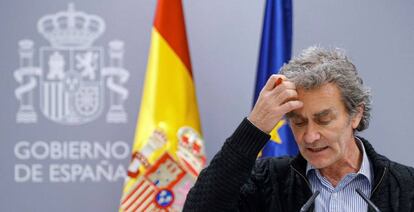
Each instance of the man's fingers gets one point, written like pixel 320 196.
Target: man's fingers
pixel 286 95
pixel 283 86
pixel 287 85
pixel 290 106
pixel 271 82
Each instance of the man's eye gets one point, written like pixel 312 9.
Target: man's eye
pixel 324 121
pixel 299 123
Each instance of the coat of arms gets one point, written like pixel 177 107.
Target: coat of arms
pixel 71 76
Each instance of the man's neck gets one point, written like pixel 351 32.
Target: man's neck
pixel 350 163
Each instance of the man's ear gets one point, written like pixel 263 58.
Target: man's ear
pixel 357 116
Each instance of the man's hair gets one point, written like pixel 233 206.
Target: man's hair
pixel 317 66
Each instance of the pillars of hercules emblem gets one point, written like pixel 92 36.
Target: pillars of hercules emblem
pixel 117 76
pixel 26 76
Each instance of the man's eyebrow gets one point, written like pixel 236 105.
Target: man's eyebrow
pixel 318 114
pixel 293 115
pixel 323 112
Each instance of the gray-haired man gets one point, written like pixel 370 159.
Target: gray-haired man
pixel 325 102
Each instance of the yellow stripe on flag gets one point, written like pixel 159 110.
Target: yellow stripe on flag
pixel 168 100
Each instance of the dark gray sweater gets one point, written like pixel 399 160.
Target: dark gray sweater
pixel 236 181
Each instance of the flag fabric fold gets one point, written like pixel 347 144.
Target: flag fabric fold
pixel 168 149
pixel 275 50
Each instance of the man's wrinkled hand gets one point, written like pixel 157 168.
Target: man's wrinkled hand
pixel 277 98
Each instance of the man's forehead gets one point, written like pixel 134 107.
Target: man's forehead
pixel 328 88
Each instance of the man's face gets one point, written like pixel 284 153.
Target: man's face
pixel 322 127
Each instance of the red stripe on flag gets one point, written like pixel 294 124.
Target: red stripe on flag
pixel 132 192
pixel 137 197
pixel 152 203
pixel 148 195
pixel 169 21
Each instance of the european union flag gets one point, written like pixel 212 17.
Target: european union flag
pixel 275 50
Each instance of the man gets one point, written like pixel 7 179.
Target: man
pixel 326 104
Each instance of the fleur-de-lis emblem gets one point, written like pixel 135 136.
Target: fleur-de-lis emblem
pixel 72 81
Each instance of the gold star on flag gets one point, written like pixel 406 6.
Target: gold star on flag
pixel 274 135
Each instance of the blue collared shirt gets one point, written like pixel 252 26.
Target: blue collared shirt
pixel 343 197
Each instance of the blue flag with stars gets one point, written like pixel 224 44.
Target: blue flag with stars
pixel 275 50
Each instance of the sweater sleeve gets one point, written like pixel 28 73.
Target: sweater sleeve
pixel 218 186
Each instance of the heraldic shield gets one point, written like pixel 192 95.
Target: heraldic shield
pixel 71 90
pixel 71 72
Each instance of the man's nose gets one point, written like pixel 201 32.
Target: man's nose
pixel 312 133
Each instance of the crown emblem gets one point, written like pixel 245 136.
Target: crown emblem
pixel 71 28
pixel 190 140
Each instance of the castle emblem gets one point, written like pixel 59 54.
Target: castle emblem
pixel 71 75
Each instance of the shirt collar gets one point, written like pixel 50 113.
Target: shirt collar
pixel 365 169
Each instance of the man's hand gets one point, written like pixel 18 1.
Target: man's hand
pixel 275 100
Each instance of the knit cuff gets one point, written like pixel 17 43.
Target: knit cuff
pixel 248 139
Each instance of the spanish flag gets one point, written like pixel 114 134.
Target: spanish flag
pixel 168 151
